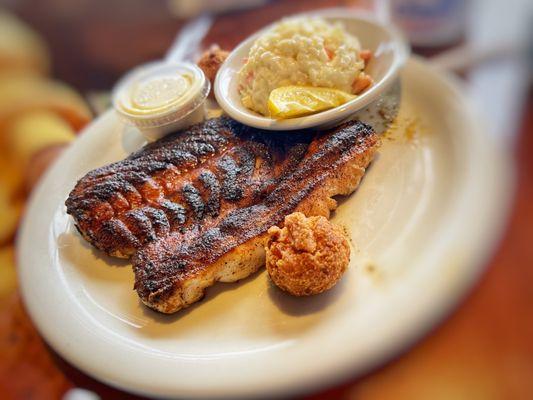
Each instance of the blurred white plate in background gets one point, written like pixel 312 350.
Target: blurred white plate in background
pixel 422 223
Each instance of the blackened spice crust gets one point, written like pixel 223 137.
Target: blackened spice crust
pixel 182 202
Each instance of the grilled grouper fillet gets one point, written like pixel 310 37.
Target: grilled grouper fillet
pixel 193 208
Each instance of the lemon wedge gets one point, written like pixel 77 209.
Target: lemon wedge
pixel 297 101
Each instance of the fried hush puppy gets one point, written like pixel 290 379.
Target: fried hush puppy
pixel 307 256
pixel 211 60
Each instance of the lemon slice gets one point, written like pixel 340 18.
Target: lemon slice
pixel 297 101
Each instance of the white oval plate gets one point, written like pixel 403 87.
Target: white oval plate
pixel 389 50
pixel 422 224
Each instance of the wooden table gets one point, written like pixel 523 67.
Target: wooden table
pixel 484 350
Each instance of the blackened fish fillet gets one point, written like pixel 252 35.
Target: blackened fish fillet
pixel 193 208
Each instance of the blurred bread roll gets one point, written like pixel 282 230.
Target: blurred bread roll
pixel 33 131
pixel 39 163
pixel 8 276
pixel 20 92
pixel 10 176
pixel 9 215
pixel 38 118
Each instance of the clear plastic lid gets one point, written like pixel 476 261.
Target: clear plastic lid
pixel 160 93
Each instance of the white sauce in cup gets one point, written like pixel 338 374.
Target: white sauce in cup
pixel 162 97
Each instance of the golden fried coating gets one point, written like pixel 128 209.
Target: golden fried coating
pixel 308 256
pixel 211 61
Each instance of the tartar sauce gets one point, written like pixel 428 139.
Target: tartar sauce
pixel 162 97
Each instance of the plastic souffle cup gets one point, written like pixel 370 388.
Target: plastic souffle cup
pixel 162 97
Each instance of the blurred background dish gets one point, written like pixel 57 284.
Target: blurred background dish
pixel 482 351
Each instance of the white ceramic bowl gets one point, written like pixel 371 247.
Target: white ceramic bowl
pixel 386 43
